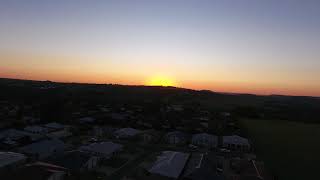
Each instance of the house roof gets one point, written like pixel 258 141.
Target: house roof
pixel 16 134
pixel 204 136
pixel 169 164
pixel 43 147
pixel 54 125
pixel 36 171
pixel 177 133
pixel 102 148
pixel 127 132
pixel 249 169
pixel 202 166
pixel 11 133
pixel 195 160
pixel 7 158
pixel 87 119
pixel 152 132
pixel 59 134
pixel 235 139
pixel 118 116
pixel 36 129
pixel 73 160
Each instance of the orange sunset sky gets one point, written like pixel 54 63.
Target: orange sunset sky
pixel 249 47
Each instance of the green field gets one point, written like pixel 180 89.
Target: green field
pixel 290 150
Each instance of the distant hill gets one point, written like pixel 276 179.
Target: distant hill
pixel 295 108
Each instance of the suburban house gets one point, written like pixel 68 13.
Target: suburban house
pixel 118 116
pixel 126 133
pixel 176 137
pixel 30 120
pixel 75 161
pixel 102 149
pixel 87 120
pixel 54 126
pixel 12 138
pixel 236 143
pixel 202 166
pixel 43 149
pixel 175 107
pixel 58 130
pixel 36 130
pixel 247 169
pixel 205 140
pixel 10 160
pixel 98 131
pixel 15 134
pixel 142 123
pixel 169 164
pixel 60 134
pixel 149 136
pixel 37 171
pixel 103 131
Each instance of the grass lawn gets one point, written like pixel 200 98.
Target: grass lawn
pixel 291 150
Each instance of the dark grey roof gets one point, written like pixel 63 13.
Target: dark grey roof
pixel 16 134
pixel 127 132
pixel 202 167
pixel 87 119
pixel 7 158
pixel 73 160
pixel 43 148
pixel 169 164
pixel 177 133
pixel 54 125
pixel 35 171
pixel 106 148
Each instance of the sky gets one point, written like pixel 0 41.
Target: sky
pixel 239 46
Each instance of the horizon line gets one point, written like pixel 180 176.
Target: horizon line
pixel 212 91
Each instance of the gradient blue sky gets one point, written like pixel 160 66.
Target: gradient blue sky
pixel 264 47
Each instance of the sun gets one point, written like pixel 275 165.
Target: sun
pixel 161 81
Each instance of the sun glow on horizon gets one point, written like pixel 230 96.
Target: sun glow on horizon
pixel 161 81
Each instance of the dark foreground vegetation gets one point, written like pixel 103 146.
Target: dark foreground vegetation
pixel 57 100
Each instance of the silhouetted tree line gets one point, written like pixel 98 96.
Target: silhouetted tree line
pixel 57 103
